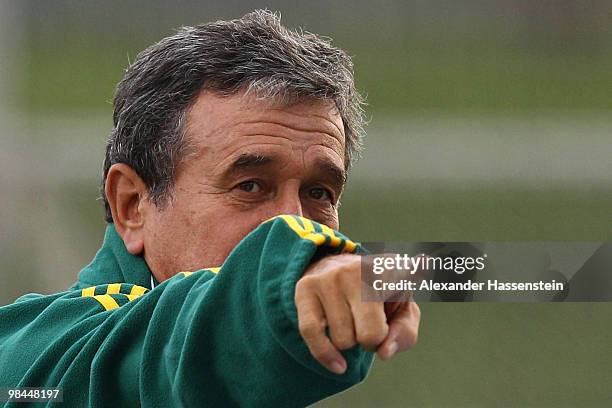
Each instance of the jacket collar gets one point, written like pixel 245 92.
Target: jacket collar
pixel 114 264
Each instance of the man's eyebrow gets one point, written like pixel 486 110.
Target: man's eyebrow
pixel 247 161
pixel 250 160
pixel 335 173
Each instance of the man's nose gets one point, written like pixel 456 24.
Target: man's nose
pixel 289 202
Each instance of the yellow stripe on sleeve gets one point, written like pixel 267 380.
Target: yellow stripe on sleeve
pixel 349 246
pixel 107 301
pixel 308 225
pixel 318 239
pixel 293 224
pixel 334 241
pixel 113 289
pixel 308 232
pixel 88 292
pixel 137 291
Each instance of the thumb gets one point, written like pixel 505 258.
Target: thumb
pixel 403 330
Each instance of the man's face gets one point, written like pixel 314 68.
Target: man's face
pixel 251 161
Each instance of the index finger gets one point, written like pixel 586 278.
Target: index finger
pixel 312 324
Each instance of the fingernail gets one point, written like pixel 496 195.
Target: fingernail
pixel 392 349
pixel 337 367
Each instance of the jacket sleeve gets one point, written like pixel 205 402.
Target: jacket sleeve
pixel 225 337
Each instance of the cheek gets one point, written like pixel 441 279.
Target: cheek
pixel 205 236
pixel 176 240
pixel 334 221
pixel 227 231
pixel 327 216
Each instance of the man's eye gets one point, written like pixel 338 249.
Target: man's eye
pixel 250 186
pixel 320 193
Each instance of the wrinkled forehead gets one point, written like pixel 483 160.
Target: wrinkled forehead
pixel 213 119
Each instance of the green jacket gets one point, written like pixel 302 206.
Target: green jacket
pixel 223 336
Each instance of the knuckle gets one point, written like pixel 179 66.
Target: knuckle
pixel 352 264
pixel 337 276
pixel 347 277
pixel 344 323
pixel 343 336
pixel 343 342
pixel 371 338
pixel 310 327
pixel 305 283
pixel 336 269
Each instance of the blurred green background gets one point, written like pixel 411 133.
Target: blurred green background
pixel 490 120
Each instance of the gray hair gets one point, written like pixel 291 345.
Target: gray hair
pixel 254 53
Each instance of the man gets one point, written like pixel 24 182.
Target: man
pixel 222 279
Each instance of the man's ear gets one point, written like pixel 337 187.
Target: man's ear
pixel 127 196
